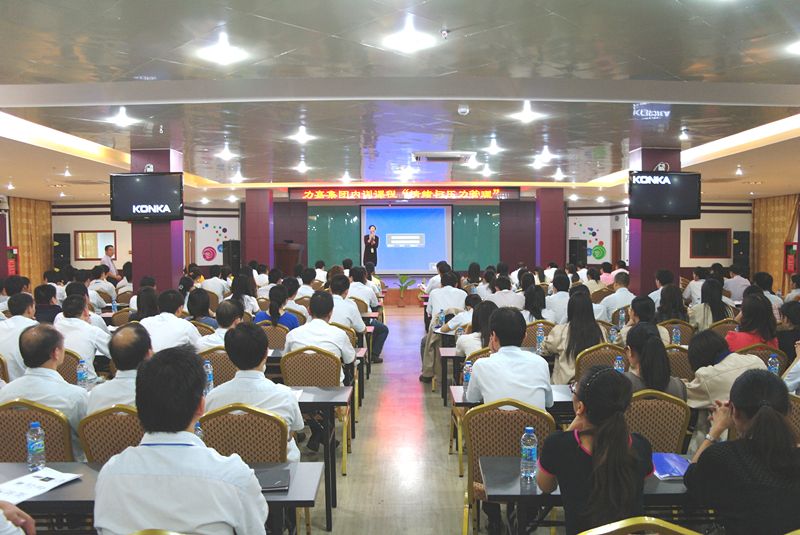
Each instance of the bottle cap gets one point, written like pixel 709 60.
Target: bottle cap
pixel 207 361
pixel 81 361
pixel 467 362
pixel 529 430
pixel 35 425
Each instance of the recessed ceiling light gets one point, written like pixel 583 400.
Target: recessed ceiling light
pixel 221 52
pixel 66 171
pixel 794 48
pixel 472 162
pixel 226 154
pixel 626 201
pixel 546 155
pixel 493 148
pixel 346 178
pixel 537 162
pixel 527 115
pixel 559 176
pixel 62 194
pixel 238 178
pixel 409 39
pixel 739 171
pixel 10 186
pixel 232 198
pixel 486 172
pixel 301 167
pixel 204 200
pixel 684 134
pixel 573 197
pixel 301 136
pixel 601 199
pixel 121 119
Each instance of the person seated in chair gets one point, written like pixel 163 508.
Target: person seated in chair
pixel 47 307
pixel 129 347
pixel 80 336
pixel 167 329
pixel 229 315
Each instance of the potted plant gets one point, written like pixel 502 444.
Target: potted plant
pixel 404 283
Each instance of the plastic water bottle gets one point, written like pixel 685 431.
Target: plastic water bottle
pixel 621 318
pixel 613 334
pixel 440 318
pixel 773 364
pixel 35 440
pixel 473 290
pixel 539 337
pixel 83 374
pixel 209 369
pixel 619 364
pixel 459 331
pixel 467 374
pixel 198 430
pixel 676 335
pixel 529 452
pixel 113 305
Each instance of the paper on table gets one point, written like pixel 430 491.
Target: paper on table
pixel 28 486
pixel 669 465
pixel 298 393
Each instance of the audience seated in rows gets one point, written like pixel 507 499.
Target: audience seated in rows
pixel 129 347
pixel 215 283
pixel 23 311
pixel 535 307
pixel 292 286
pixel 243 291
pixel 643 310
pixel 692 292
pixel 198 305
pixel 100 284
pixel 756 324
pixel 278 296
pixel 664 277
pixel 621 297
pixel 557 302
pixel 345 311
pixel 166 329
pixel 649 364
pixel 80 336
pixel 504 296
pixel 671 305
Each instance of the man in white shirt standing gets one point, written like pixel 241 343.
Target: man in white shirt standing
pixel 42 349
pixel 737 284
pixel 557 303
pixel 246 346
pixel 171 479
pixel 214 283
pixel 100 284
pixel 359 289
pixel 663 278
pixel 129 347
pixel 621 297
pixel 504 296
pixel 80 336
pixel 318 333
pixel 108 261
pixel 167 329
pixel 319 270
pixel 23 311
pixel 229 314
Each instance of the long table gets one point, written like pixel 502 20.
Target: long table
pixel 562 409
pixel 77 497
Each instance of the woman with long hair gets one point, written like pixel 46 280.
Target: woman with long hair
pixel 146 304
pixel 711 307
pixel 567 340
pixel 598 464
pixel 789 335
pixel 649 364
pixel 278 297
pixel 243 291
pixel 671 305
pixel 526 280
pixel 473 274
pixel 479 337
pixel 486 288
pixel 757 324
pixel 198 307
pixel 753 483
pixel 643 310
pixel 593 280
pixel 125 284
pixel 534 308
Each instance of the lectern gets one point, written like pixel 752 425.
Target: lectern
pixel 287 255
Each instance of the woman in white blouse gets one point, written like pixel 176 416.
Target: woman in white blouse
pixel 479 337
pixel 484 289
pixel 567 340
pixel 242 290
pixel 535 306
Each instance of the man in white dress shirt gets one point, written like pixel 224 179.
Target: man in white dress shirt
pixel 514 275
pixel 13 285
pixel 693 290
pixel 129 347
pixel 319 271
pixel 80 336
pixel 78 288
pixel 663 277
pixel 347 265
pixel 167 329
pixel 434 282
pixel 273 279
pixel 42 349
pixel 308 276
pixel 621 297
pixel 171 479
pixel 100 284
pixel 246 346
pixel 23 311
pixel 15 521
pixel 229 314
pixel 550 271
pixel 621 266
pixel 582 271
pixel 504 296
pixel 447 299
pixel 737 284
pixel 108 261
pixel 318 333
pixel 557 303
pixel 261 277
pixel 56 280
pixel 214 283
pixel 292 288
pixel 360 289
pixel 345 311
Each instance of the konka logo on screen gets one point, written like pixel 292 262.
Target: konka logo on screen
pixel 651 179
pixel 150 209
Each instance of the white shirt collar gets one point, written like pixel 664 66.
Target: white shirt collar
pixel 179 438
pixel 45 372
pixel 250 374
pixel 125 374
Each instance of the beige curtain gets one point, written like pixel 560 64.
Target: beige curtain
pixel 774 223
pixel 87 245
pixel 31 233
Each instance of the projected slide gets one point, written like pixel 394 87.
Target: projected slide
pixel 412 239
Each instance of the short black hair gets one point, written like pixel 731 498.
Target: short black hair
pixel 82 275
pixel 37 343
pixel 198 303
pixel 97 272
pixel 502 268
pixel 73 306
pixel 320 304
pixel 51 275
pixel 76 288
pixel 308 276
pixel 593 274
pixel 561 283
pixel 129 346
pixel 19 303
pixel 275 275
pixel 450 279
pixel 644 308
pixel 298 270
pixel 706 348
pixel 169 388
pixel 44 293
pixel 472 300
pixel 319 264
pixel 763 280
pixel 347 263
pixel 15 283
pixel 372 226
pixel 664 277
pixel 621 264
pixel 508 325
pixel 502 283
pixel 358 274
pixel 791 311
pixel 246 345
pixel 261 269
pixel 214 271
pixel 622 278
pixel 107 247
pixel 340 284
pixel 170 301
pixel 291 285
pixel 147 280
pixel 227 312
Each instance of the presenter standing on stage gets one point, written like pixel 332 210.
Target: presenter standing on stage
pixel 371 242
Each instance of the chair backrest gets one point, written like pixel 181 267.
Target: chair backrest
pixel 311 366
pixel 213 300
pixel 15 419
pixel 599 355
pixel 3 369
pixel 616 313
pixel 530 332
pixel 69 368
pixel 203 328
pixel 492 430
pixel 256 435
pixel 599 295
pixel 362 305
pixel 469 287
pixel 351 333
pixel 640 524
pixel 794 414
pixel 479 354
pixel 108 432
pixel 224 368
pixel 276 334
pixel 301 318
pixel 679 362
pixel 660 418
pixel 303 301
pixel 687 331
pixel 683 282
pixel 764 352
pixel 722 327
pixel 263 303
pixel 121 317
pixel 247 317
pixel 103 295
pixel 317 285
pixel 606 326
pixel 124 298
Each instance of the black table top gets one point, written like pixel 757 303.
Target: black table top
pixel 78 495
pixel 502 482
pixel 562 397
pixel 328 395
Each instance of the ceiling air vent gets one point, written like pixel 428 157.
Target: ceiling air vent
pixel 444 156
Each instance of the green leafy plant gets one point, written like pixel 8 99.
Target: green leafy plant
pixel 404 284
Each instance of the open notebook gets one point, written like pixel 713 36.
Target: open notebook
pixel 669 465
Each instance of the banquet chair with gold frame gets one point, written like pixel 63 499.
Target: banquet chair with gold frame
pixel 108 432
pixel 15 420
